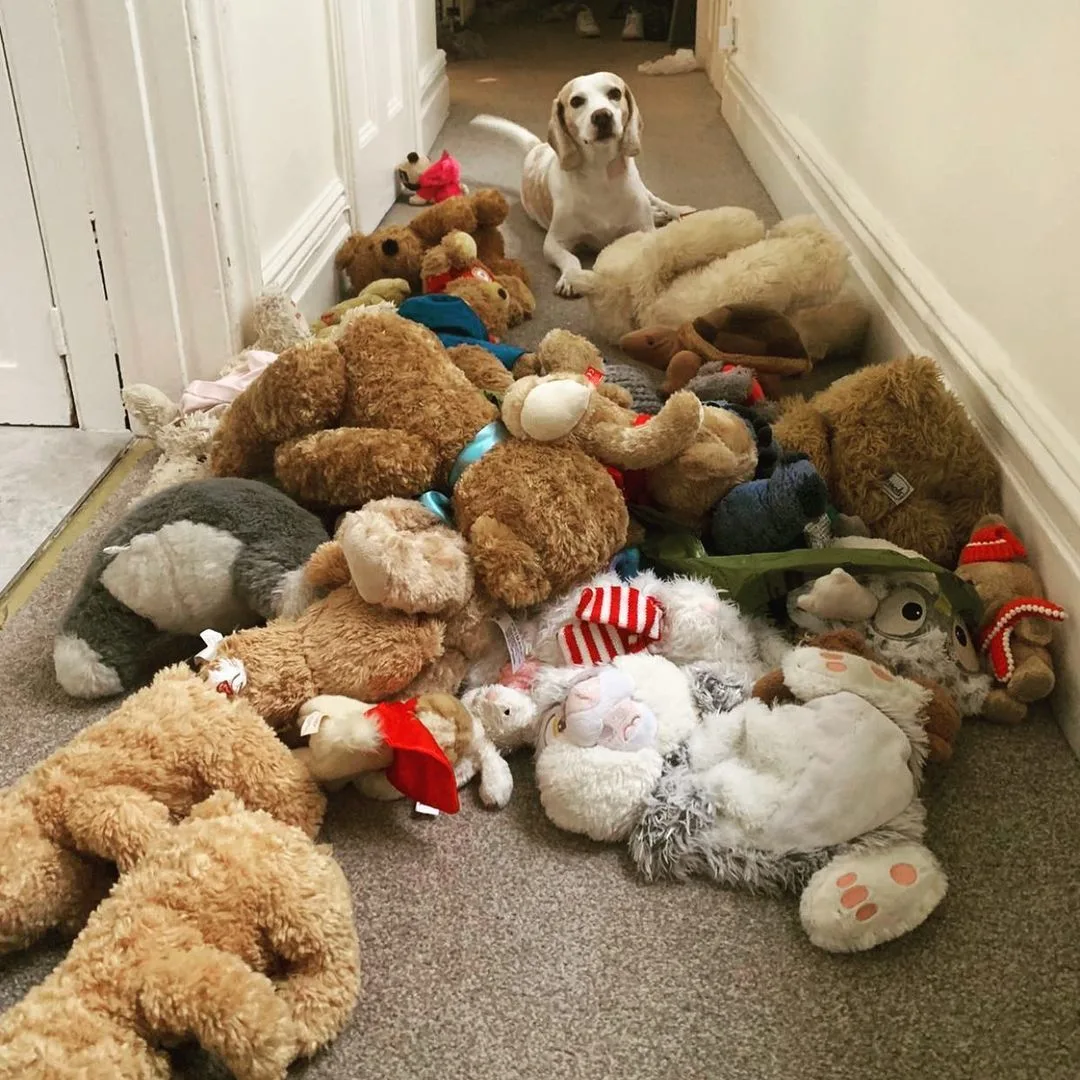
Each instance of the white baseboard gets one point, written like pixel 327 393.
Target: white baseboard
pixel 303 263
pixel 914 313
pixel 434 99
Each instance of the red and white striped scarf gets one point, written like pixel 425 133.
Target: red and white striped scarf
pixel 612 620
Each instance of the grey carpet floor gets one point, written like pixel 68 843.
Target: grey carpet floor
pixel 495 946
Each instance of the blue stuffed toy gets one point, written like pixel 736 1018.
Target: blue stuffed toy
pixel 455 323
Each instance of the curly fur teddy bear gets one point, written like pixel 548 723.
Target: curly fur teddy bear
pixel 397 251
pixel 100 801
pixel 897 450
pixel 233 930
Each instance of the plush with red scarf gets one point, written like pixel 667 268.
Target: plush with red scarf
pixel 1018 620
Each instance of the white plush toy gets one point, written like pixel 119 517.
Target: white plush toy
pixel 810 786
pixel 717 257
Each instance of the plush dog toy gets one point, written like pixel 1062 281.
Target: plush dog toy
pixel 209 554
pixel 112 792
pixel 1017 629
pixel 234 930
pixel 430 182
pixel 423 749
pixel 716 258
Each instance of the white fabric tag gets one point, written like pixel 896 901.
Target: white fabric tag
pixel 428 811
pixel 211 639
pixel 312 723
pixel 515 643
pixel 115 549
pixel 897 487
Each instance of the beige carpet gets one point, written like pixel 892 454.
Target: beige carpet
pixel 496 947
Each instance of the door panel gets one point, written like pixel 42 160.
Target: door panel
pixel 33 381
pixel 376 52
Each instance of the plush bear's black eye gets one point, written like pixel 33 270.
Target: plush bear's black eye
pixel 413 157
pixel 390 247
pixel 615 94
pixel 506 711
pixel 577 101
pixel 502 294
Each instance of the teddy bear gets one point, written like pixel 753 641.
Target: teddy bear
pixel 401 615
pixel 422 749
pixel 384 411
pixel 386 291
pixel 454 266
pixel 897 450
pixel 210 554
pixel 715 258
pixel 1017 629
pixel 810 785
pixel 233 930
pixel 96 804
pixel 397 251
pixel 736 335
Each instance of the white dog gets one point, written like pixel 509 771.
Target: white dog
pixel 583 185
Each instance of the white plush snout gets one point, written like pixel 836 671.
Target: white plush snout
pixel 554 409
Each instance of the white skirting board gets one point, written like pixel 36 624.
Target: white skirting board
pixel 914 313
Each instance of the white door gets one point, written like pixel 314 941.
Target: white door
pixel 33 379
pixel 378 57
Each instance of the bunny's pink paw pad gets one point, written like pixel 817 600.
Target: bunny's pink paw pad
pixel 862 899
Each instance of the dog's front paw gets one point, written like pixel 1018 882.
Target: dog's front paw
pixel 565 288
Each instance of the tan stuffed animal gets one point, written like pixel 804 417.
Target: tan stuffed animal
pixel 234 930
pixel 1018 621
pixel 103 799
pixel 402 616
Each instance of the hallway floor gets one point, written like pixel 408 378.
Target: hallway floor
pixel 495 946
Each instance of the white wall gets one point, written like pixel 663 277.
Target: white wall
pixel 941 139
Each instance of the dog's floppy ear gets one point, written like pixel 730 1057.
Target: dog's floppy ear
pixel 632 125
pixel 566 147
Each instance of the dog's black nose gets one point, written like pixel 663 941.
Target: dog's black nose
pixel 602 118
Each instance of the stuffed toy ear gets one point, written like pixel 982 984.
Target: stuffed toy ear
pixel 420 770
pixel 327 567
pixel 562 140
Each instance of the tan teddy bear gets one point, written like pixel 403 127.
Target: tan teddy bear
pixel 234 930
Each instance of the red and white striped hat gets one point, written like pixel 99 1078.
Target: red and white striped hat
pixel 612 620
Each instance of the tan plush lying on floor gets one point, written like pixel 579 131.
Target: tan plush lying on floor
pixel 103 799
pixel 185 946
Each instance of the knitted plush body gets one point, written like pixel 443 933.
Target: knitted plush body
pixel 208 554
pixel 234 930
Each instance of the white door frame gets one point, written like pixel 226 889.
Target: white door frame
pixel 58 177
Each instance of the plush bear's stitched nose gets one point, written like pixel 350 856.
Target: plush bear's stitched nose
pixel 603 119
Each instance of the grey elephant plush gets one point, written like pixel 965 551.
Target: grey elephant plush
pixel 214 554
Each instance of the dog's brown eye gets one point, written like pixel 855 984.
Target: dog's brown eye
pixel 577 101
pixel 615 94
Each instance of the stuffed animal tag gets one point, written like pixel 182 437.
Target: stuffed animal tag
pixel 594 375
pixel 425 810
pixel 515 643
pixel 898 488
pixel 312 723
pixel 211 639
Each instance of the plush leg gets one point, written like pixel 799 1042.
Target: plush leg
pixel 42 885
pixel 268 584
pixel 351 466
pixel 1033 678
pixel 311 928
pixel 509 568
pixel 115 823
pixel 481 367
pixel 232 1012
pixel 864 898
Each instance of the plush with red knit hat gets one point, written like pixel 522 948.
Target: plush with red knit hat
pixel 1018 620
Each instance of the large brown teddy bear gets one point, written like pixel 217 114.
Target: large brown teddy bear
pixel 383 411
pixel 896 449
pixel 397 251
pixel 234 930
pixel 101 800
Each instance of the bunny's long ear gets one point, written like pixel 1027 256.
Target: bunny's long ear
pixel 632 126
pixel 561 138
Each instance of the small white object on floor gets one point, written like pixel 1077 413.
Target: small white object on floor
pixel 634 27
pixel 427 811
pixel 586 24
pixel 676 63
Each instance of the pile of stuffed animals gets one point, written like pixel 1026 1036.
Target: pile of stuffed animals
pixel 391 549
